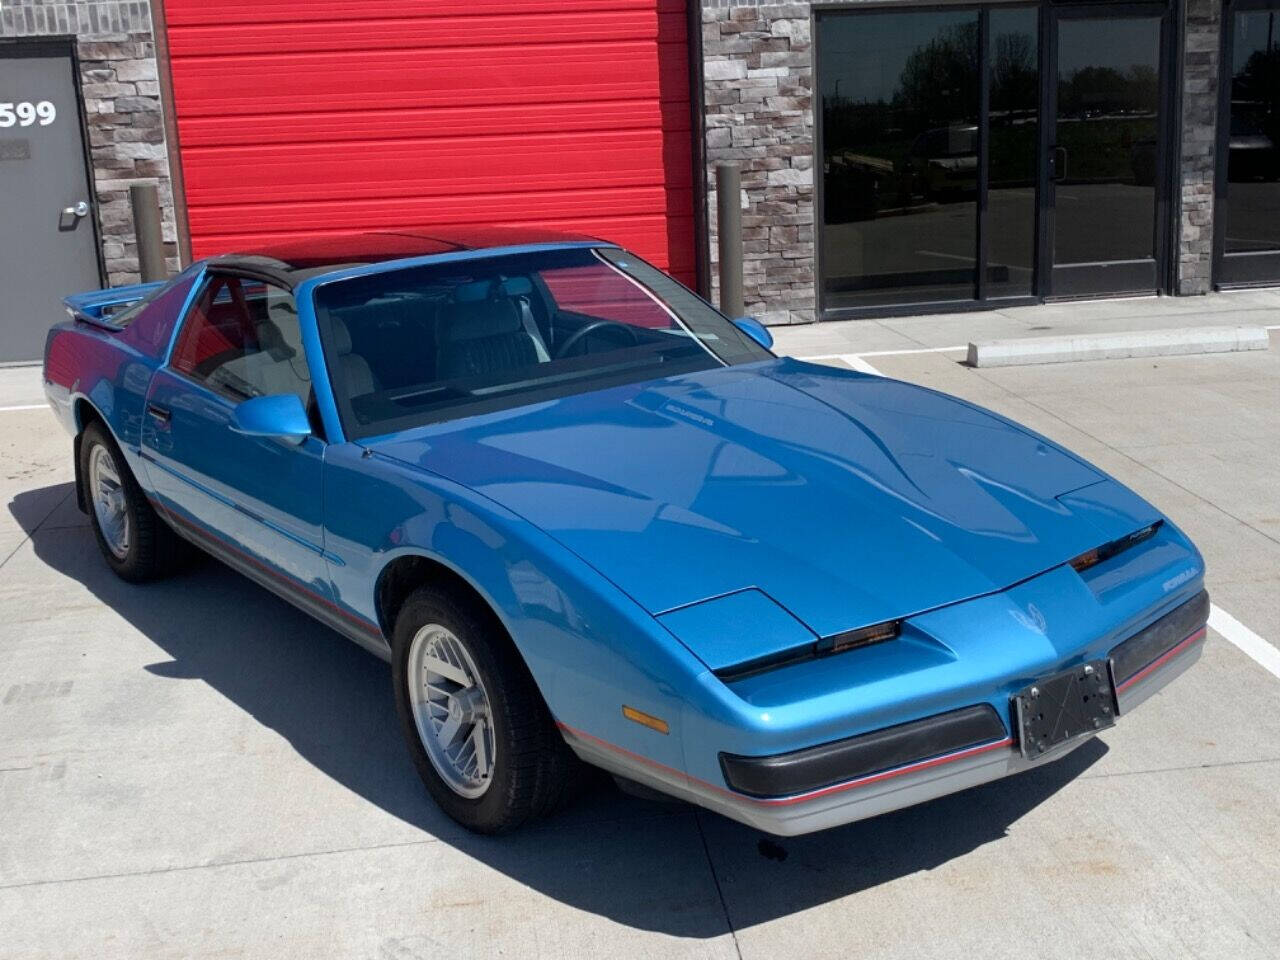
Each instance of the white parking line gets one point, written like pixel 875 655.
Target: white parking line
pixel 25 406
pixel 855 360
pixel 859 360
pixel 1249 643
pixel 903 353
pixel 882 353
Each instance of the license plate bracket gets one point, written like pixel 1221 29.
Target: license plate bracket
pixel 1063 707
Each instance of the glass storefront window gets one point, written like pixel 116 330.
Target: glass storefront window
pixel 1251 218
pixel 1107 137
pixel 902 142
pixel 899 100
pixel 1011 180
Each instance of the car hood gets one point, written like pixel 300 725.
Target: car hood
pixel 849 499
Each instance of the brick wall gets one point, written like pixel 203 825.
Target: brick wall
pixel 1199 132
pixel 121 91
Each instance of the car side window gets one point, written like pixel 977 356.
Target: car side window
pixel 148 324
pixel 242 339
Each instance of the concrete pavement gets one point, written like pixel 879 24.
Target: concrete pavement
pixel 20 386
pixel 928 331
pixel 193 768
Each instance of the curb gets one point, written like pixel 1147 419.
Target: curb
pixel 1117 346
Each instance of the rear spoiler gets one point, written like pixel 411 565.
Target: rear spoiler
pixel 98 306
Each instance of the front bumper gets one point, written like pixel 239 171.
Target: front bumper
pixel 808 790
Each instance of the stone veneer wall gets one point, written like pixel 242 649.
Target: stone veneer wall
pixel 1203 24
pixel 758 77
pixel 121 90
pixel 758 95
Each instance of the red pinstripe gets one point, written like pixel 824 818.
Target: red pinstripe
pixel 1161 660
pixel 288 581
pixel 800 797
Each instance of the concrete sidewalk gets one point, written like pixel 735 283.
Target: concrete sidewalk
pixel 20 386
pixel 1245 307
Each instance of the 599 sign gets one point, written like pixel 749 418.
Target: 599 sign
pixel 26 113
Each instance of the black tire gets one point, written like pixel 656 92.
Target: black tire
pixel 154 550
pixel 533 769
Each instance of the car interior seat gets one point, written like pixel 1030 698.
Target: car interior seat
pixel 488 329
pixel 355 368
pixel 396 335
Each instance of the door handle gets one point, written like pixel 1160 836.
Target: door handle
pixel 158 413
pixel 1057 164
pixel 73 214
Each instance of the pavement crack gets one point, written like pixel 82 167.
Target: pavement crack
pixel 1180 769
pixel 9 555
pixel 158 871
pixel 902 333
pixel 32 532
pixel 724 906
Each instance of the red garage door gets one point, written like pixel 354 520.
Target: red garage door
pixel 306 117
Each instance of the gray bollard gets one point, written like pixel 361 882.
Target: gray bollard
pixel 145 201
pixel 729 234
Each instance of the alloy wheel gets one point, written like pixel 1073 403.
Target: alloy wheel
pixel 451 710
pixel 110 502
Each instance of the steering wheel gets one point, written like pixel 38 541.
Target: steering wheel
pixel 576 337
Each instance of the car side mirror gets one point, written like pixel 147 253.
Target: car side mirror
pixel 756 330
pixel 280 415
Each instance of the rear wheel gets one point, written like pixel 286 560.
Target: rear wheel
pixel 480 736
pixel 135 542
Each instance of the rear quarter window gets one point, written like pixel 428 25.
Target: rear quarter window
pixel 150 327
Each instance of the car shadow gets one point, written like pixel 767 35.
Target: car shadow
pixel 331 701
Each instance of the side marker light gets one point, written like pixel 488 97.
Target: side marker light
pixel 645 719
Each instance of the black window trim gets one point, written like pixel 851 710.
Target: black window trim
pixel 210 275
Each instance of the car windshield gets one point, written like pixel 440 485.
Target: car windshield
pixel 417 345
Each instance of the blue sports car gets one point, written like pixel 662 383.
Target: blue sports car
pixel 587 518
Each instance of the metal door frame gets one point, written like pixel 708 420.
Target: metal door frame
pixel 18 48
pixel 1234 270
pixel 1166 130
pixel 981 9
pixel 1168 146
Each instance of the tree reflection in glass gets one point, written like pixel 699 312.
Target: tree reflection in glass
pixel 899 94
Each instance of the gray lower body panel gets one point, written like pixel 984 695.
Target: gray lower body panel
pixel 872 795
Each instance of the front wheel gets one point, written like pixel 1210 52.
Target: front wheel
pixel 479 733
